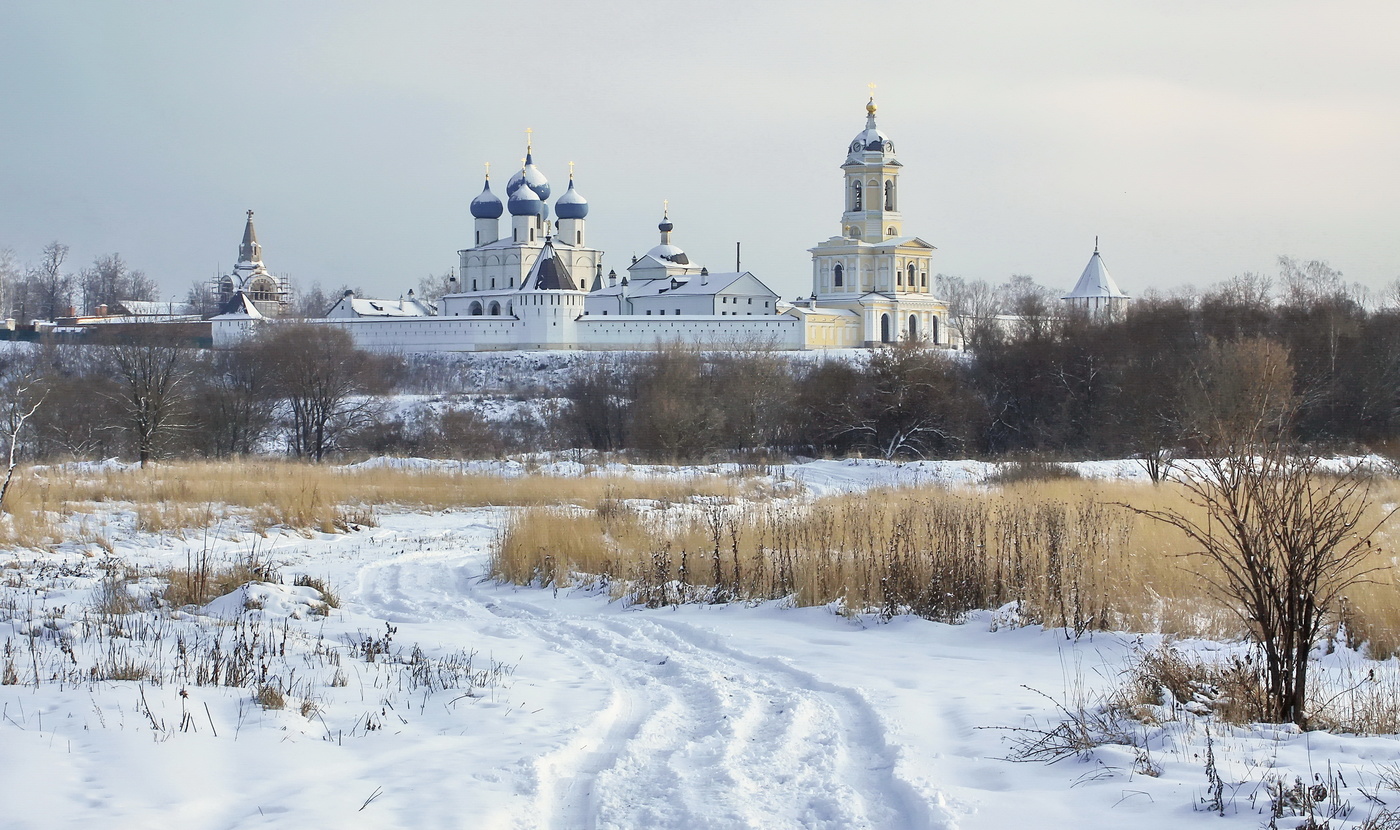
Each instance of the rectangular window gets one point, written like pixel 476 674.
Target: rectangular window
pixel 678 312
pixel 751 301
pixel 663 312
pixel 648 312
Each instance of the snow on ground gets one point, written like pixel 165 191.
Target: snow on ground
pixel 578 712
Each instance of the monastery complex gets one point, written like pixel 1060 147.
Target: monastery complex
pixel 530 280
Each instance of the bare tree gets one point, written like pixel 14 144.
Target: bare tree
pixel 325 381
pixel 152 371
pixel 23 405
pixel 51 287
pixel 432 287
pixel 1279 542
pixel 235 401
pixel 9 277
pixel 1283 542
pixel 314 302
pixel 108 281
pixel 973 306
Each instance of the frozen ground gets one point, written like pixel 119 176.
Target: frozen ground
pixel 578 712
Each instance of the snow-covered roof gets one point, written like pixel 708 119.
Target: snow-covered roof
pixel 146 308
pixel 711 284
pixel 549 273
pixel 388 308
pixel 1094 282
pixel 669 253
pixel 238 307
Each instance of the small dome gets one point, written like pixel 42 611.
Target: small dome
pixel 487 205
pixel 529 175
pixel 670 253
pixel 525 202
pixel 571 205
pixel 666 226
pixel 871 140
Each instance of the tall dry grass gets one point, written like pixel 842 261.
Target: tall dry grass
pixel 1062 553
pixel 177 496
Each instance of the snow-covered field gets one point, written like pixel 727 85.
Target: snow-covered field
pixel 433 697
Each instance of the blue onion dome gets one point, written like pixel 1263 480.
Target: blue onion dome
pixel 571 205
pixel 525 202
pixel 487 205
pixel 871 140
pixel 666 226
pixel 529 175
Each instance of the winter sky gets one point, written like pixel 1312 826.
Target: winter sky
pixel 1197 138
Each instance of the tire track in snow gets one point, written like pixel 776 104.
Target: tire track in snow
pixel 716 737
pixel 696 733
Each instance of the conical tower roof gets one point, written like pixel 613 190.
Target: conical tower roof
pixel 249 250
pixel 1095 281
pixel 549 273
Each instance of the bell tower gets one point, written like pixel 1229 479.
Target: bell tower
pixel 872 184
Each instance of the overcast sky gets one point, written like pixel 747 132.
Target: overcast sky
pixel 1197 139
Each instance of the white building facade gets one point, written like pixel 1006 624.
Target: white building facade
pixel 540 286
pixel 872 271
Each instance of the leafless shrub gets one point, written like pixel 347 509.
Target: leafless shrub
pixel 1029 470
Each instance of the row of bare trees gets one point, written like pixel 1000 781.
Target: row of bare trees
pixel 47 288
pixel 150 394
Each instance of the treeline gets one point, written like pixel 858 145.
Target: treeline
pixel 48 288
pixel 1171 376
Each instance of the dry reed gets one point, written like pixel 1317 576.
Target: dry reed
pixel 171 498
pixel 1063 553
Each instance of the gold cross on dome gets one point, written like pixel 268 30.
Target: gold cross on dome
pixel 665 207
pixel 571 169
pixel 528 133
pixel 488 169
pixel 872 90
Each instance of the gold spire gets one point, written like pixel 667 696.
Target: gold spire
pixel 571 171
pixel 665 207
pixel 488 169
pixel 528 133
pixel 870 107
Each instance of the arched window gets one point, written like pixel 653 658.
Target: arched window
pixel 913 327
pixel 855 196
pixel 475 309
pixel 884 328
pixel 836 274
pixel 889 195
pixel 495 309
pixel 911 275
pixel 923 280
pixel 889 231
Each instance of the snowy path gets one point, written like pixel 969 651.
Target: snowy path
pixel 695 732
pixel 612 717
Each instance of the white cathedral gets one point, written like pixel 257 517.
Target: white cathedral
pixel 540 285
